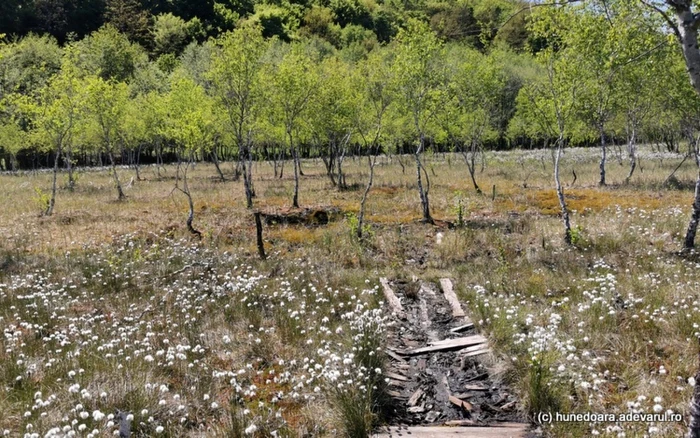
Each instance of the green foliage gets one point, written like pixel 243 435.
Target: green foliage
pixel 171 33
pixel 130 18
pixel 104 112
pixel 542 395
pixel 291 83
pixel 109 54
pixel 418 73
pixel 275 21
pixel 41 199
pixel 372 80
pixel 190 121
pixel 55 112
pixel 577 235
pixel 354 223
pixel 319 21
pixel 27 64
pixel 234 77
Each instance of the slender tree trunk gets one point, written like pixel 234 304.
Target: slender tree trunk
pixel 603 155
pixel 470 159
pixel 694 421
pixel 137 162
pixel 69 168
pixel 403 167
pixel 694 219
pixel 686 29
pixel 361 216
pixel 295 158
pixel 190 202
pixel 247 176
pixel 560 193
pixel 185 190
pixel 341 176
pixel 120 192
pixel 52 200
pixel 159 158
pixel 237 170
pixel 329 163
pixel 215 158
pixel 298 161
pixel 425 202
pixel 632 147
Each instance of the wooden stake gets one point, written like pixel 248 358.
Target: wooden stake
pixel 258 229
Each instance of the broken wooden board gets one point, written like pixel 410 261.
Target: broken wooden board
pixel 415 398
pixel 396 376
pixel 462 327
pixel 476 347
pixel 395 356
pixel 451 298
pixel 476 387
pixel 478 352
pixel 449 344
pixel 499 430
pixel 392 299
pixel 461 403
pixel 452 340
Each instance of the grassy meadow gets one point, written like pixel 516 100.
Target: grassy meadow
pixel 112 313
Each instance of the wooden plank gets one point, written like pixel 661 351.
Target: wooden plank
pixel 481 339
pixel 501 430
pixel 461 403
pixel 483 342
pixel 395 356
pixel 454 423
pixel 449 344
pixel 473 348
pixel 461 328
pixel 415 398
pixel 451 297
pixel 476 387
pixel 392 299
pixel 477 352
pixel 396 376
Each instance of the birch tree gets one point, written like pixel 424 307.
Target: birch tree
pixel 418 71
pixel 292 82
pixel 235 85
pixel 371 81
pixel 549 103
pixel 54 116
pixel 105 110
pixel 191 125
pixel 332 117
pixel 683 19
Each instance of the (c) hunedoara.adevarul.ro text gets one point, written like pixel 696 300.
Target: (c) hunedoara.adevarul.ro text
pixel 595 417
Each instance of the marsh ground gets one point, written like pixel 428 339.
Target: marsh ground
pixel 111 305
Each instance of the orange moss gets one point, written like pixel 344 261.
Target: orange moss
pixel 294 235
pixel 583 200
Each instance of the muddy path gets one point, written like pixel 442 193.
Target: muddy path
pixel 439 373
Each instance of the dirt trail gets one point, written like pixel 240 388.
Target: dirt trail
pixel 436 375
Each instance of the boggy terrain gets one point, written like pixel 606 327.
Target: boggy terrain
pixel 115 317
